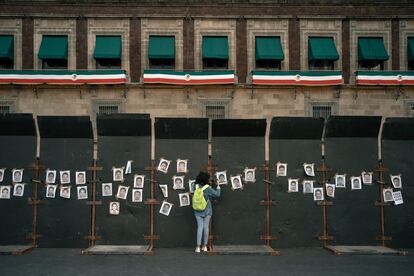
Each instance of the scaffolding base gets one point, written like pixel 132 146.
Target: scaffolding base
pixel 116 250
pixel 362 250
pixel 243 250
pixel 15 249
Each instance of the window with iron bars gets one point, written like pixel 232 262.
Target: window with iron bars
pixel 215 109
pixel 6 107
pixel 108 108
pixel 321 111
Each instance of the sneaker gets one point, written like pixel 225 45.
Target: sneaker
pixel 204 248
pixel 197 250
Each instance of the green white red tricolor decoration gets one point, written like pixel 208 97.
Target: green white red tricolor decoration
pixel 304 78
pixel 63 77
pixel 189 78
pixel 384 78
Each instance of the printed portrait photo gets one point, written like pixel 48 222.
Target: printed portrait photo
pixel 50 177
pixel 309 169
pixel 184 199
pixel 139 181
pixel 397 197
pixel 165 208
pixel 366 178
pixel 249 175
pixel 2 174
pixel 281 169
pixel 122 192
pixel 128 167
pixel 191 184
pixel 51 191
pixel 396 181
pixel 164 189
pixel 387 195
pixel 340 180
pixel 114 208
pixel 5 192
pixel 80 178
pixel 163 165
pixel 136 195
pixel 293 185
pixel 182 165
pixel 65 192
pixel 18 189
pixel 221 177
pixel 330 190
pixel 82 192
pixel 236 182
pixel 17 175
pixel 356 183
pixel 106 189
pixel 118 174
pixel 64 177
pixel 178 182
pixel 307 186
pixel 318 194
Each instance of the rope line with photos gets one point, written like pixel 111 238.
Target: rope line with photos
pixel 392 192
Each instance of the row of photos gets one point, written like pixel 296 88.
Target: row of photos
pixel 389 194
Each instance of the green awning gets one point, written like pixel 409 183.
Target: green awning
pixel 54 47
pixel 161 47
pixel 6 46
pixel 410 45
pixel 215 47
pixel 322 48
pixel 371 48
pixel 269 48
pixel 108 47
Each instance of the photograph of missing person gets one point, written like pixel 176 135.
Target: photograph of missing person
pixel 318 194
pixel 387 195
pixel 293 185
pixel 128 167
pixel 163 165
pixel 396 181
pixel 51 191
pixel 18 189
pixel 236 182
pixel 139 181
pixel 64 177
pixel 82 192
pixel 80 178
pixel 250 175
pixel 164 189
pixel 366 178
pixel 17 175
pixel 340 180
pixel 397 196
pixel 65 192
pixel 309 169
pixel 281 169
pixel 118 174
pixel 330 190
pixel 2 174
pixel 182 165
pixel 5 192
pixel 356 183
pixel 50 177
pixel 114 208
pixel 184 199
pixel 106 189
pixel 136 195
pixel 165 208
pixel 178 182
pixel 191 184
pixel 122 192
pixel 221 178
pixel 307 186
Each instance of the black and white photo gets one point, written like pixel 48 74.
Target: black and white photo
pixel 182 165
pixel 387 195
pixel 165 208
pixel 309 169
pixel 2 174
pixel 396 181
pixel 65 192
pixel 80 177
pixel 164 189
pixel 17 175
pixel 82 192
pixel 178 182
pixel 122 192
pixel 106 189
pixel 250 175
pixel 236 182
pixel 163 165
pixel 51 191
pixel 330 190
pixel 356 183
pixel 281 169
pixel 114 208
pixel 366 178
pixel 184 199
pixel 340 180
pixel 397 197
pixel 128 167
pixel 136 195
pixel 18 189
pixel 191 184
pixel 64 177
pixel 118 174
pixel 307 186
pixel 318 194
pixel 139 181
pixel 5 192
pixel 50 176
pixel 293 185
pixel 221 177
